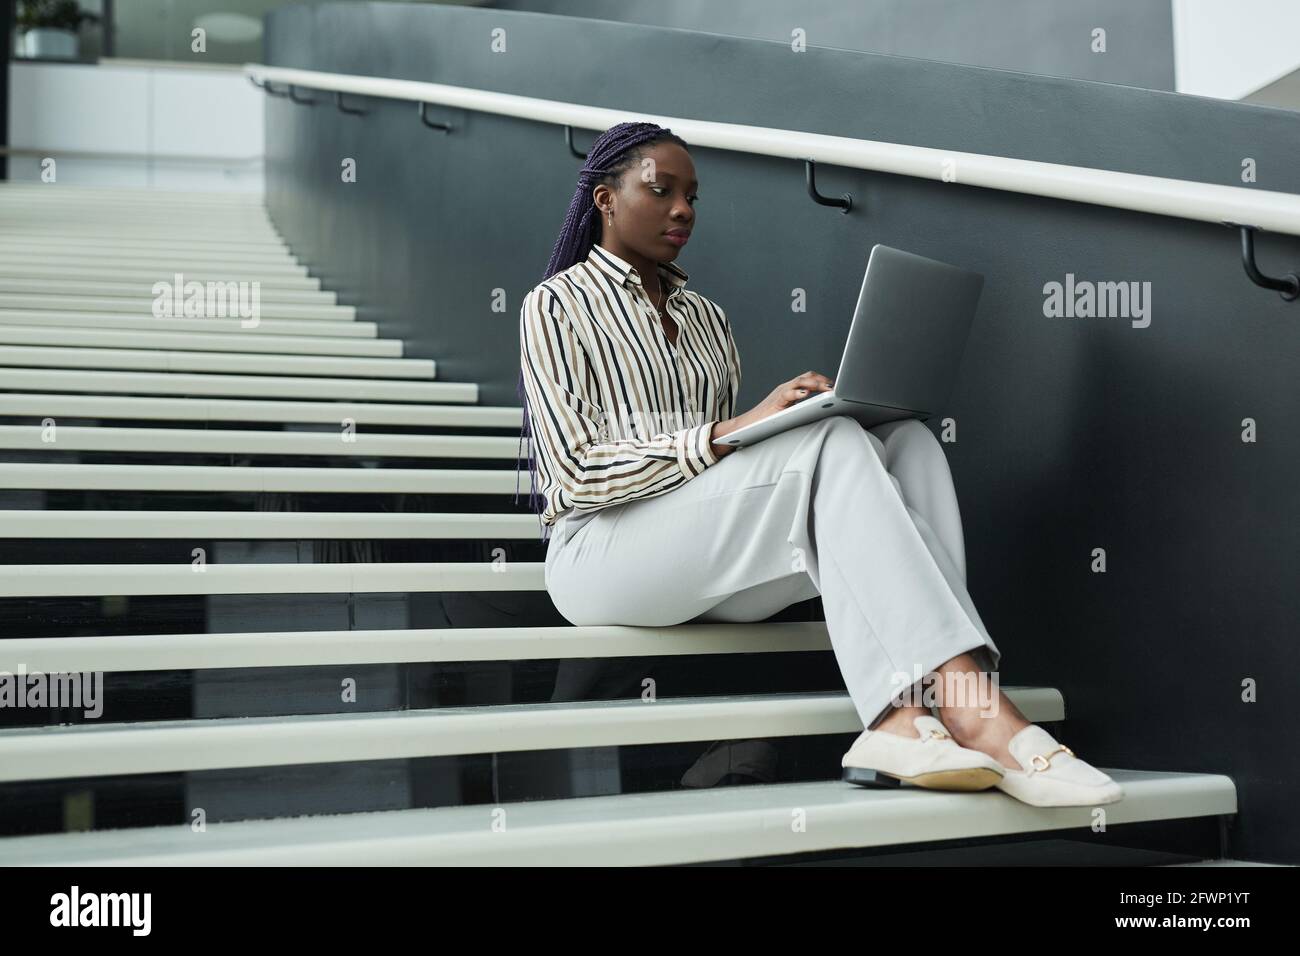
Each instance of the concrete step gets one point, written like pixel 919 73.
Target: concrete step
pixel 109 320
pixel 654 829
pixel 142 289
pixel 78 196
pixel 222 441
pixel 14 404
pixel 29 271
pixel 197 339
pixel 119 653
pixel 155 360
pixel 183 225
pixel 168 262
pixel 50 476
pixel 68 238
pixel 263 525
pixel 228 299
pixel 97 580
pixel 183 746
pixel 261 386
pixel 164 265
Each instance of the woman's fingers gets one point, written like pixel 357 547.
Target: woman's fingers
pixel 809 383
pixel 812 381
pixel 794 395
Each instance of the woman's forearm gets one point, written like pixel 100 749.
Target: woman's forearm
pixel 720 429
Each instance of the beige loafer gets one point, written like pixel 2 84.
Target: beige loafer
pixel 934 761
pixel 1052 776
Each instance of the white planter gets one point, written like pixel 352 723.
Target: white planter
pixel 45 42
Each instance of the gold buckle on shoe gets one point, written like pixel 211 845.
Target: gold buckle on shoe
pixel 1047 760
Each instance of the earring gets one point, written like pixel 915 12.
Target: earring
pixel 610 220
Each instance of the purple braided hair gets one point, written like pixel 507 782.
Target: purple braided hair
pixel 613 152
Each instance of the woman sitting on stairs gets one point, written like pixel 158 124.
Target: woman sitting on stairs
pixel 628 380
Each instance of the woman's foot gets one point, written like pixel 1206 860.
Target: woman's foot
pixel 985 729
pixel 980 716
pixel 909 745
pixel 971 727
pixel 900 721
pixel 1045 774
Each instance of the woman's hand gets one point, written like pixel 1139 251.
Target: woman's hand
pixel 783 396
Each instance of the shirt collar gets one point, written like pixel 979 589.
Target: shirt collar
pixel 623 272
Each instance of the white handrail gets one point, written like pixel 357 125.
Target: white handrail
pixel 1206 202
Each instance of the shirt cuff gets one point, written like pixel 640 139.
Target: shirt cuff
pixel 694 450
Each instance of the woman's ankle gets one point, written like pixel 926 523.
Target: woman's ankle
pixel 899 721
pixel 980 730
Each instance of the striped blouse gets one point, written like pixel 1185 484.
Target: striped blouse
pixel 616 410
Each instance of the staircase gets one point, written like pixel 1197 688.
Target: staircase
pixel 295 557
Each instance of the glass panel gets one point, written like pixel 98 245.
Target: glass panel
pixel 62 30
pixel 85 30
pixel 153 30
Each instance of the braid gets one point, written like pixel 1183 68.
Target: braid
pixel 613 152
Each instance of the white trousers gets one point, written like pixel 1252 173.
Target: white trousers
pixel 867 518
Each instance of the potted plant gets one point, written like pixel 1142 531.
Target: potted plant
pixel 50 27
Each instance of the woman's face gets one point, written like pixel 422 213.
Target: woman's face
pixel 654 205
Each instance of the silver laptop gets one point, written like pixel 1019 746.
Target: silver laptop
pixel 904 346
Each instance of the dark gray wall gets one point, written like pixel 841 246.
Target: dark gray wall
pixel 1052 37
pixel 1073 434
